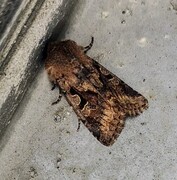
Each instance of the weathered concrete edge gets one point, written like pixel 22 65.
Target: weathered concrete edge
pixel 25 60
pixel 14 33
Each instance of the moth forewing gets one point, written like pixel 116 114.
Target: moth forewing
pixel 101 100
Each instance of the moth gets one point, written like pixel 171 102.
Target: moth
pixel 101 100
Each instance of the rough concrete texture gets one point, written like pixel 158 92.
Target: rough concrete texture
pixel 136 40
pixel 23 50
pixel 15 23
pixel 8 9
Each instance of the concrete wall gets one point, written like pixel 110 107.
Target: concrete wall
pixel 26 27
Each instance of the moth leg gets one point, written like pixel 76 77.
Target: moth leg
pixel 79 124
pixel 89 46
pixel 53 86
pixel 59 97
pixel 54 83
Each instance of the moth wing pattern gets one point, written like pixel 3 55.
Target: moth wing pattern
pixel 100 99
pixel 105 110
pixel 103 120
pixel 132 103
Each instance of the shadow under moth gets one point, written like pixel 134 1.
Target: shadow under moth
pixel 100 99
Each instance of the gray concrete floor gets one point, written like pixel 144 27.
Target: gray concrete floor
pixel 136 40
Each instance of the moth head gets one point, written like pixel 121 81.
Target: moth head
pixel 73 46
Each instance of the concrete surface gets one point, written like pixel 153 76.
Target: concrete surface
pixel 136 40
pixel 15 20
pixel 22 50
pixel 8 10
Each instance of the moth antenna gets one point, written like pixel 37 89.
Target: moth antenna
pixel 89 46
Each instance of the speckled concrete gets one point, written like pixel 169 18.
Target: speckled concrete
pixel 136 40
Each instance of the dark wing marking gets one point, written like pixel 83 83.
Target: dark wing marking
pixel 131 102
pixel 103 119
pixel 104 111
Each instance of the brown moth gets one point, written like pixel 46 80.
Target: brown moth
pixel 100 99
